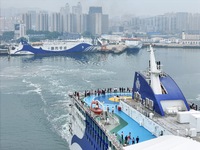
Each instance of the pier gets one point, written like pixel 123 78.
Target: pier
pixel 3 52
pixel 172 45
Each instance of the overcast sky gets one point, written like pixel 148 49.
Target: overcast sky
pixel 113 7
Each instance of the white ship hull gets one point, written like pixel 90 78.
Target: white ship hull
pixel 52 47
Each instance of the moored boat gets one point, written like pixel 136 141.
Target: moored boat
pixel 111 43
pixel 132 43
pixel 52 47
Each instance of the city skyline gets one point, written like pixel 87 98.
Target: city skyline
pixel 139 8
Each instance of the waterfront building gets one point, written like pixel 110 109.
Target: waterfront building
pixel 190 39
pixel 169 23
pixel 190 36
pixel 19 30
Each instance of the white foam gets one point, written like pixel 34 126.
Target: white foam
pixel 60 117
pixel 37 89
pixel 198 97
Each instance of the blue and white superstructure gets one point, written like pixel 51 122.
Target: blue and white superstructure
pixel 158 90
pixel 52 47
pixel 108 119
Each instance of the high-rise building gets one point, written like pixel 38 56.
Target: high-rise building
pixel 77 9
pixel 65 18
pixel 78 19
pixel 194 23
pixel 27 20
pixel 33 19
pixel 97 22
pixel 55 23
pixel 42 21
pixel 95 10
pixel 182 21
pixel 105 24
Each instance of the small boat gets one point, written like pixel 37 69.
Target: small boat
pixel 52 47
pixel 96 109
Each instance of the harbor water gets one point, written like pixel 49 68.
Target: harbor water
pixel 34 89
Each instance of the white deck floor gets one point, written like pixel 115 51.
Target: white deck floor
pixel 169 122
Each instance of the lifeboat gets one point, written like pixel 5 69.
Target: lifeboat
pixel 95 107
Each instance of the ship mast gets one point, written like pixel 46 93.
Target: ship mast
pixel 154 73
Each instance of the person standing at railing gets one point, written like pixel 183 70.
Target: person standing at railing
pixel 122 136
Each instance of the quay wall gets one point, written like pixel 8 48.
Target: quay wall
pixel 160 45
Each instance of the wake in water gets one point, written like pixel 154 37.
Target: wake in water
pixel 48 92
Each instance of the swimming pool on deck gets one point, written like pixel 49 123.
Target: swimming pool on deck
pixel 111 100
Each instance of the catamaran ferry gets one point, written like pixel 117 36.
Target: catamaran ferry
pixel 154 114
pixel 52 47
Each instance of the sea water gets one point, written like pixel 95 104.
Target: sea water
pixel 34 89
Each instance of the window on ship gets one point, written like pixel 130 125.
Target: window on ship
pixel 163 89
pixel 52 48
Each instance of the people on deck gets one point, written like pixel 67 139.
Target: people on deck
pixel 126 139
pixel 112 110
pixel 137 139
pixel 107 121
pixel 107 108
pixel 122 136
pixel 133 140
pixel 130 135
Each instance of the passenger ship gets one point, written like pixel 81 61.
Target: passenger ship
pixel 101 119
pixel 52 47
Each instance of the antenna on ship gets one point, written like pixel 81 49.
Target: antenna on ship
pixel 154 71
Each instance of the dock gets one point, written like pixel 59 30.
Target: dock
pixel 172 45
pixel 3 51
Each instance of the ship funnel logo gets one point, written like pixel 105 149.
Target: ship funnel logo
pixel 138 84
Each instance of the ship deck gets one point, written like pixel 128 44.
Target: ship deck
pixel 127 124
pixel 118 120
pixel 169 122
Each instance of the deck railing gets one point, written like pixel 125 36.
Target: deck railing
pixel 111 137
